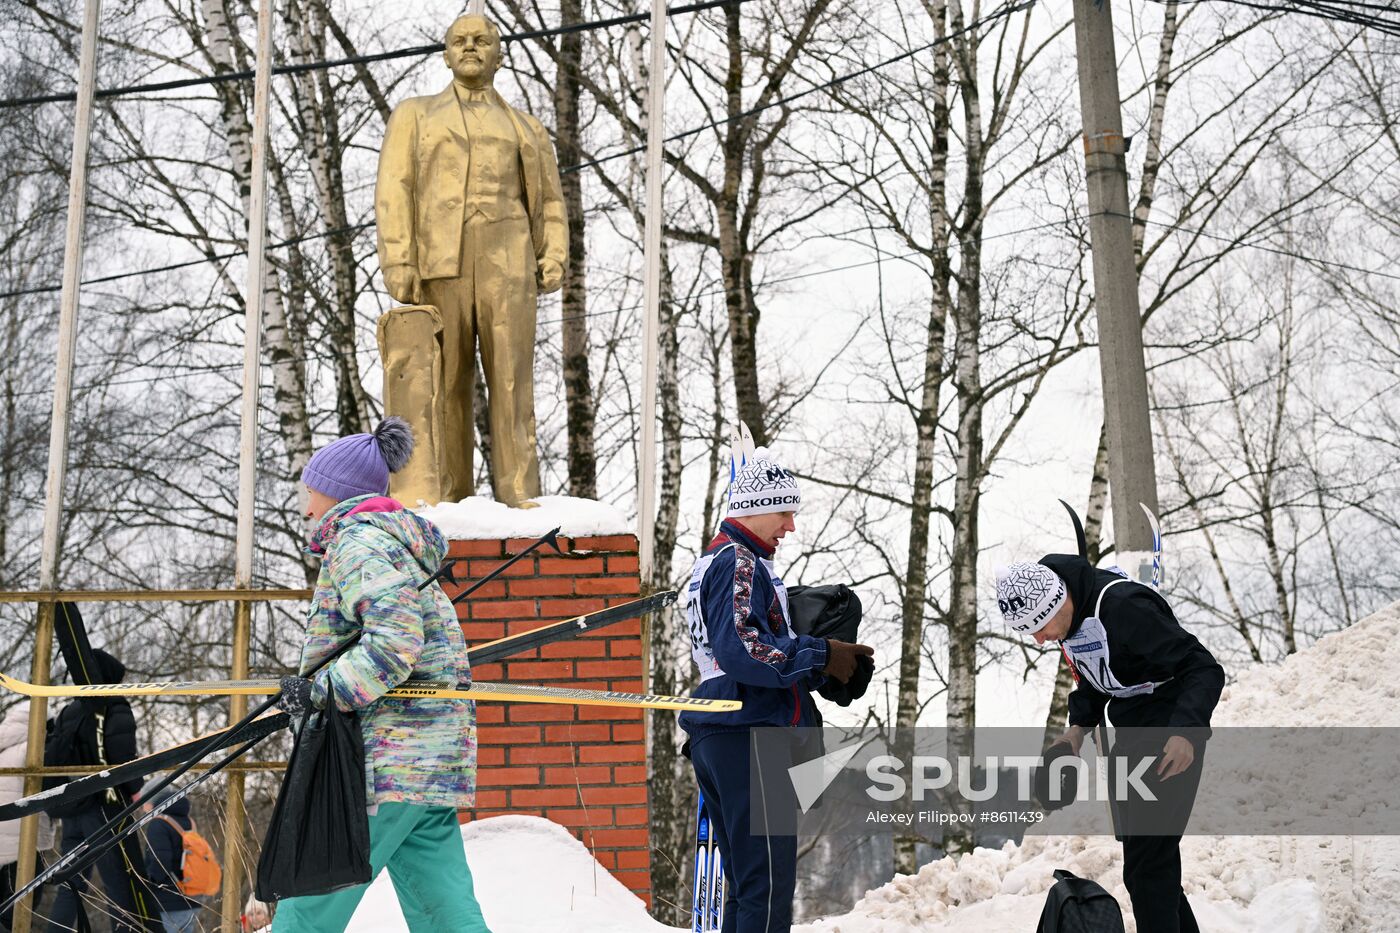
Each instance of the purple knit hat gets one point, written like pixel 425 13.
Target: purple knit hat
pixel 360 464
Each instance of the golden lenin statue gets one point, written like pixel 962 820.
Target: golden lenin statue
pixel 471 229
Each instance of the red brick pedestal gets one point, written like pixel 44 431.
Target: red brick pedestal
pixel 583 767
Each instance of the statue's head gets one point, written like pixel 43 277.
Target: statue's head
pixel 473 50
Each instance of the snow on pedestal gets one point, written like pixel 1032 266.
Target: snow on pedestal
pixel 479 517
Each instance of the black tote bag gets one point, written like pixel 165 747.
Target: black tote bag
pixel 318 839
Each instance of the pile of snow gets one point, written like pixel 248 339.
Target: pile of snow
pixel 530 876
pixel 477 517
pixel 1272 884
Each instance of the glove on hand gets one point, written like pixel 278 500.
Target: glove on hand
pixel 296 696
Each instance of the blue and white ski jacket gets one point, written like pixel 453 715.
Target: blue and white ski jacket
pixel 743 643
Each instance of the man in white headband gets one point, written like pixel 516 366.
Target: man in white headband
pixel 743 643
pixel 1131 657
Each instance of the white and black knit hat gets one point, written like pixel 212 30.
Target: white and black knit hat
pixel 761 486
pixel 1029 595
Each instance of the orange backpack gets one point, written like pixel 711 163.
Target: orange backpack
pixel 199 869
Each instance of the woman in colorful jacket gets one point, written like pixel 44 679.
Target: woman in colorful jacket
pixel 420 755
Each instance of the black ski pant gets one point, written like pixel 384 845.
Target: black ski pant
pixel 119 882
pixel 761 870
pixel 1151 834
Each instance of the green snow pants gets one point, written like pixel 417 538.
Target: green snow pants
pixel 422 848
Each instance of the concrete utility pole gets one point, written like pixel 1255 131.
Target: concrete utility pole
pixel 1132 475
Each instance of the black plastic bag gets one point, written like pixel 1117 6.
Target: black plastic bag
pixel 318 839
pixel 832 611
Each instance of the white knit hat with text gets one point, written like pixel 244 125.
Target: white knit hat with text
pixel 760 486
pixel 1029 595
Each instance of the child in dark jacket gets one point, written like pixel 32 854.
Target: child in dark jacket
pixel 165 853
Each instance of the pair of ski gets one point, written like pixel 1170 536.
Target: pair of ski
pixel 430 689
pixel 708 892
pixel 488 653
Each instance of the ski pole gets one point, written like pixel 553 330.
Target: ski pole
pixel 83 848
pixel 549 537
pixel 80 859
pixel 445 572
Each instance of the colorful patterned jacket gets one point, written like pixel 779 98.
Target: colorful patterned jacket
pixel 375 553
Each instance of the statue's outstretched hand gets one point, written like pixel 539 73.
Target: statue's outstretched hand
pixel 403 284
pixel 549 276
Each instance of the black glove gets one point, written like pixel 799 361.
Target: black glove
pixel 1069 779
pixel 296 696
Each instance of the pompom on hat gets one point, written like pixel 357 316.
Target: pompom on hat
pixel 360 464
pixel 1029 595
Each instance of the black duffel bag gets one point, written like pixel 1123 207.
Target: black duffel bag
pixel 832 611
pixel 318 838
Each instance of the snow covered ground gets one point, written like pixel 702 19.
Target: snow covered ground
pixel 1260 884
pixel 533 876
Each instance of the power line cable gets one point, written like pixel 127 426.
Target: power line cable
pixel 1355 14
pixel 783 101
pixel 1005 11
pixel 304 67
pixel 846 267
pixel 1263 247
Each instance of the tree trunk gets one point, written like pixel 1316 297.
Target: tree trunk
pixel 1098 499
pixel 743 317
pixel 714 495
pixel 967 381
pixel 578 385
pixel 318 114
pixel 912 615
pixel 672 793
pixel 287 367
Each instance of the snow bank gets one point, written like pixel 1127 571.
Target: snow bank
pixel 478 517
pixel 531 876
pixel 1273 884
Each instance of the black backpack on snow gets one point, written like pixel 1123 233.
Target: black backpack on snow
pixel 1077 905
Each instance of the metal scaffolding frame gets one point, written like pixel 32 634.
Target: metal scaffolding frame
pixel 242 594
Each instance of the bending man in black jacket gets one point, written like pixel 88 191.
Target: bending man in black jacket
pixel 1129 655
